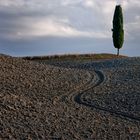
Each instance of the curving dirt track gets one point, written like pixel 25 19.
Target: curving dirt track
pixel 80 100
pixel 106 78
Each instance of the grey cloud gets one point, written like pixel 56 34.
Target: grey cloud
pixel 132 22
pixel 79 16
pixel 21 17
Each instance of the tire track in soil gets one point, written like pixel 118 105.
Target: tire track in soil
pixel 89 84
pixel 101 79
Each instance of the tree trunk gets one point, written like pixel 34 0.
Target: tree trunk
pixel 118 52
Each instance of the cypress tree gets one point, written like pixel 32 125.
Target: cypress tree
pixel 118 32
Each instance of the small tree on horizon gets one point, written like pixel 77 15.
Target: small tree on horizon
pixel 118 32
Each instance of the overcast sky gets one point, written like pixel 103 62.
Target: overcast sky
pixel 31 26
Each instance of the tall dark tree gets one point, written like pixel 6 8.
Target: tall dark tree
pixel 118 32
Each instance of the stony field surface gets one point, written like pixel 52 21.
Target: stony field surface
pixel 71 100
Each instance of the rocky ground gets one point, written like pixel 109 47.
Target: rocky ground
pixel 67 100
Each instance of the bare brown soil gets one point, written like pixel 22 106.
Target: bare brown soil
pixel 69 100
